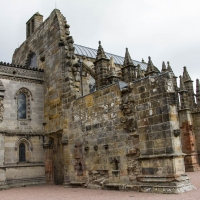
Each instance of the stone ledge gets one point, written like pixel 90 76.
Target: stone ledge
pixel 22 132
pixel 77 183
pixel 22 165
pixel 161 156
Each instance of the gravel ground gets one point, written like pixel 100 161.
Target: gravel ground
pixel 54 192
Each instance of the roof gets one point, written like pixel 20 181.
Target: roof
pixel 91 53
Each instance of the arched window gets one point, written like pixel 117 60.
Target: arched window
pixel 23 99
pixel 22 152
pixel 31 60
pixel 21 106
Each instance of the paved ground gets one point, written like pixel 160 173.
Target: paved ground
pixel 53 192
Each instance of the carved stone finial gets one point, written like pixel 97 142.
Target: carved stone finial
pixel 139 72
pixel 112 64
pixel 100 52
pixel 198 94
pixel 182 85
pixel 186 76
pixel 164 69
pixel 169 67
pixel 183 95
pixel 143 60
pixel 197 87
pixel 127 59
pixel 151 69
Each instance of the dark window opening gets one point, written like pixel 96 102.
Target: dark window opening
pixel 32 61
pixel 21 106
pixel 22 152
pixel 116 165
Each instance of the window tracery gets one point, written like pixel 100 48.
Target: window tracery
pixel 24 98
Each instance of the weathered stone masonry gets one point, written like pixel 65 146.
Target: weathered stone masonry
pixel 135 129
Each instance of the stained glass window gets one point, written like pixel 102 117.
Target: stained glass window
pixel 21 106
pixel 22 152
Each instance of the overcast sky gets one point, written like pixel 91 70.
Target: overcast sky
pixel 166 30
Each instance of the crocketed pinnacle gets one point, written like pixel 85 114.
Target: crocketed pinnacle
pixel 169 67
pixel 100 52
pixel 182 86
pixel 164 69
pixel 198 94
pixel 186 76
pixel 150 66
pixel 197 88
pixel 127 59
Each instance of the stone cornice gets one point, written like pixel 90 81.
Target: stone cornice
pixel 19 73
pixel 22 133
pixel 16 165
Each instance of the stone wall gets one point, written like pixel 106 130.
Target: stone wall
pixel 196 128
pixel 10 122
pixel 127 139
pixel 45 43
pixel 97 141
pixel 13 131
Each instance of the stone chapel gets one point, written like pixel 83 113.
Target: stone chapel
pixel 80 117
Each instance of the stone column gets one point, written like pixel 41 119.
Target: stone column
pixel 3 184
pixel 66 154
pixel 49 170
pixel 196 119
pixel 187 134
pixel 161 157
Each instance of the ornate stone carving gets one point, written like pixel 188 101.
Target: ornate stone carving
pixel 1 101
pixel 177 132
pixel 1 109
pixel 20 79
pixel 17 71
pixel 48 143
pixel 24 140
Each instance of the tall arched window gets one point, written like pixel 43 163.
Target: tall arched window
pixel 22 152
pixel 21 106
pixel 23 100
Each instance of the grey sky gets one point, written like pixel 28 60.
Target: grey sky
pixel 166 30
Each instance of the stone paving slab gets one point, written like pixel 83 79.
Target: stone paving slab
pixel 55 192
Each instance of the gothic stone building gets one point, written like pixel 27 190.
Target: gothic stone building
pixel 77 116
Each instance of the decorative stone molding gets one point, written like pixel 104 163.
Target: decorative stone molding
pixel 2 90
pixel 24 140
pixel 25 91
pixel 22 79
pixel 177 132
pixel 21 71
pixel 95 147
pixel 64 141
pixel 48 143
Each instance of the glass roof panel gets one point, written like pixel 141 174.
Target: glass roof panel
pixel 91 53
